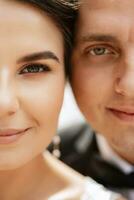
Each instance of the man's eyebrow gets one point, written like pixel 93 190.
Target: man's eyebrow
pixel 98 38
pixel 39 56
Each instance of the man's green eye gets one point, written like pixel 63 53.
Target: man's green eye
pixel 98 51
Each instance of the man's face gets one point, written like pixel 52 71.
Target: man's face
pixel 103 70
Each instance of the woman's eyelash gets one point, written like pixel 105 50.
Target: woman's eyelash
pixel 35 68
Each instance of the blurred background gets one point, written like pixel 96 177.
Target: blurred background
pixel 70 113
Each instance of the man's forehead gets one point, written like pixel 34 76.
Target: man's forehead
pixel 104 17
pixel 101 4
pixel 96 3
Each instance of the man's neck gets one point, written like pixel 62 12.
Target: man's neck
pixel 111 156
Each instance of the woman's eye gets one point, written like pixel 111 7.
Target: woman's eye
pixel 99 51
pixel 34 68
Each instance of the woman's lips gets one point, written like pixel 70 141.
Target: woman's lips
pixel 126 115
pixel 8 136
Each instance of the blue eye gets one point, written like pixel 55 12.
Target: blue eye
pixel 35 68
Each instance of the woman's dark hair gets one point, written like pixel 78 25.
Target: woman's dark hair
pixel 63 13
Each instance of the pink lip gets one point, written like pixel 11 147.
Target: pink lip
pixel 124 114
pixel 11 135
pixel 10 132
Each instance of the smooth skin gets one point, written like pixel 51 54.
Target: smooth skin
pixel 103 70
pixel 31 86
pixel 32 80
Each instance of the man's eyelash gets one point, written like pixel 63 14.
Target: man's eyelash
pixel 34 68
pixel 101 50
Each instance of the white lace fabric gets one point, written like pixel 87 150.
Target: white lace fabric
pixel 95 191
pixel 89 190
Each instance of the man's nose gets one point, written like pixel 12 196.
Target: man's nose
pixel 124 81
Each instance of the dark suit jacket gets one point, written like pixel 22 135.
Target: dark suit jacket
pixel 79 150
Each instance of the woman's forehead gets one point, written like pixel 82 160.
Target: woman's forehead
pixel 13 10
pixel 30 30
pixel 24 18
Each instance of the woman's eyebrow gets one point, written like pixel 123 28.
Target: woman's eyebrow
pixel 39 56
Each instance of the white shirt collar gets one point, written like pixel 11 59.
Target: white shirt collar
pixel 109 155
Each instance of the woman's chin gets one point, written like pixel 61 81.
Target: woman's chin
pixel 5 166
pixel 12 163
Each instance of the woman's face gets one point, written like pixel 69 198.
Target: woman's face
pixel 31 82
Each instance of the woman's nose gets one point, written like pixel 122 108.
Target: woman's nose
pixel 8 102
pixel 8 96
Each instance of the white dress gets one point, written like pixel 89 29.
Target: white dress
pixel 88 190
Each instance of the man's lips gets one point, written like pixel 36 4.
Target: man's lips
pixel 123 113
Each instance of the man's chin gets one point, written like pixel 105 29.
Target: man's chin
pixel 124 147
